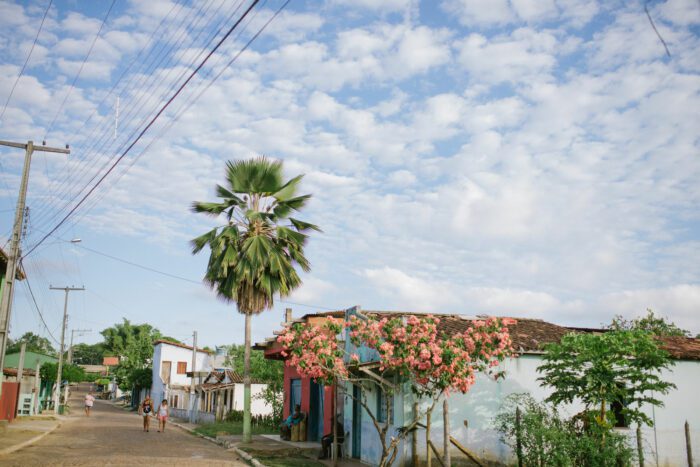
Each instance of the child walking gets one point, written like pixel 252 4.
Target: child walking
pixel 162 415
pixel 145 409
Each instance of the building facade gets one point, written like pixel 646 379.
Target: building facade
pixel 171 363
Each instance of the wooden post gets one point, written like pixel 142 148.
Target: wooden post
pixel 428 453
pixel 414 437
pixel 446 432
pixel 640 451
pixel 518 438
pixel 688 447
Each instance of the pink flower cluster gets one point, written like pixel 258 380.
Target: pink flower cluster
pixel 411 347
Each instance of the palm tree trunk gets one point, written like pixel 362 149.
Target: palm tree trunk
pixel 246 381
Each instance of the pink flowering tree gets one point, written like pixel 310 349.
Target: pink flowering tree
pixel 402 350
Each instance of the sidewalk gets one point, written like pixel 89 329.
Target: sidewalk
pixel 269 450
pixel 24 431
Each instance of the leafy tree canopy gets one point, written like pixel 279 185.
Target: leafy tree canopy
pixel 599 369
pixel 133 343
pixel 87 354
pixel 70 372
pixel 35 343
pixel 651 322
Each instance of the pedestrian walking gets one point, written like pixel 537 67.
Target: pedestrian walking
pixel 146 409
pixel 163 413
pixel 89 400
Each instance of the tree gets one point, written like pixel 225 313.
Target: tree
pixel 133 344
pixel 621 367
pixel 397 349
pixel 70 372
pixel 657 325
pixel 254 256
pixel 35 343
pixel 270 372
pixel 88 354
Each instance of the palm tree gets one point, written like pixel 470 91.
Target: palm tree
pixel 254 255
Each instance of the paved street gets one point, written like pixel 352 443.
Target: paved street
pixel 112 436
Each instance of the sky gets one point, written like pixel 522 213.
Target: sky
pixel 527 158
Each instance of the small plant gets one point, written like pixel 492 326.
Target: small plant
pixel 541 437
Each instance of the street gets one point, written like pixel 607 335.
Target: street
pixel 112 436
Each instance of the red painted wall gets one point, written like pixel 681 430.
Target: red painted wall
pixel 291 373
pixel 9 400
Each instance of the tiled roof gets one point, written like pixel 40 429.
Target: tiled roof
pixel 13 372
pixel 184 346
pixel 233 377
pixel 528 335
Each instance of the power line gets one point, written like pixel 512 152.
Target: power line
pixel 148 126
pixel 105 142
pixel 80 70
pixel 184 108
pixel 31 292
pixel 41 25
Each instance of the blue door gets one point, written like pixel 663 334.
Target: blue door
pixel 316 412
pixel 356 423
pixel 295 394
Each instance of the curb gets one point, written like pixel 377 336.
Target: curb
pixel 240 452
pixel 29 442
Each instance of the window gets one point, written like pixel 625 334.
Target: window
pixel 381 406
pixel 165 372
pixel 181 368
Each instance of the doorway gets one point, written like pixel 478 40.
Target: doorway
pixel 356 422
pixel 316 412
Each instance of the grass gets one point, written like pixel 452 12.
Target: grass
pixel 231 428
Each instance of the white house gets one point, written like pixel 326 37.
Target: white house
pixel 472 415
pixel 222 391
pixel 171 363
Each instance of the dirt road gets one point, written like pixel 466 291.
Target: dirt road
pixel 114 437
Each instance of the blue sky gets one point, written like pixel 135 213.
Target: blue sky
pixel 508 157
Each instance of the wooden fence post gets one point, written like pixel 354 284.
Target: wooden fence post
pixel 688 448
pixel 427 439
pixel 414 438
pixel 518 436
pixel 446 432
pixel 640 451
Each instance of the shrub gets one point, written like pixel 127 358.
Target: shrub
pixel 547 439
pixel 268 421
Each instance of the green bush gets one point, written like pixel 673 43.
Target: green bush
pixel 267 421
pixel 547 439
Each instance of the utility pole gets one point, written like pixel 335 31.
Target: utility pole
pixel 57 394
pixel 193 396
pixel 14 254
pixel 70 349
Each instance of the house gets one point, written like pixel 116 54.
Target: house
pixel 171 363
pixel 33 397
pixel 471 415
pixel 316 401
pixel 222 391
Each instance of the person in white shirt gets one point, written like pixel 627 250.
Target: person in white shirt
pixel 89 401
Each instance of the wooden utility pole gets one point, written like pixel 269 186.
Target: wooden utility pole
pixel 14 254
pixel 193 395
pixel 57 394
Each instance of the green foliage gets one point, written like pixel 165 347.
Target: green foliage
pixel 657 325
pixel 598 369
pixel 254 256
pixel 268 421
pixel 133 343
pixel 268 371
pixel 35 343
pixel 140 378
pixel 549 440
pixel 86 354
pixel 71 373
pixel 233 428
